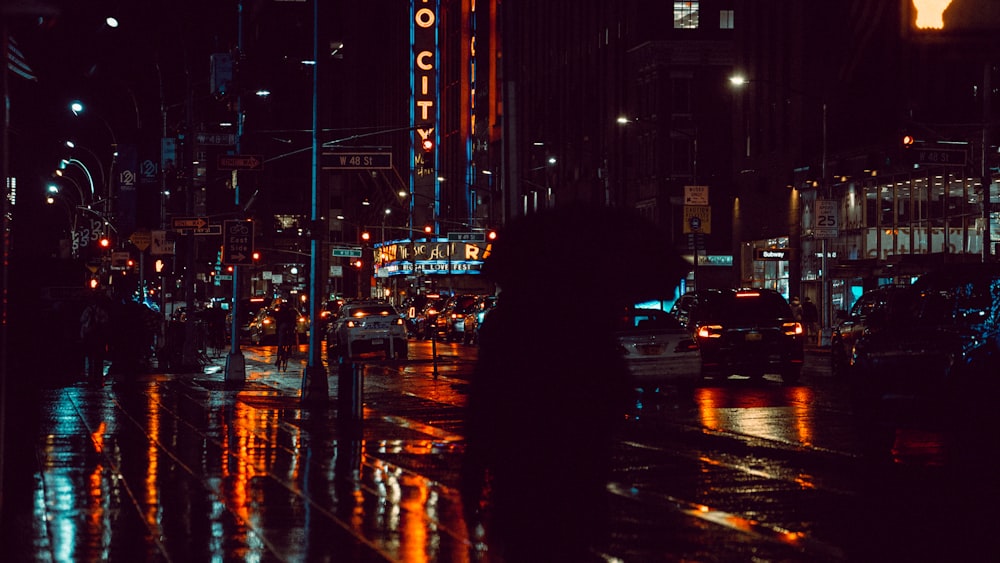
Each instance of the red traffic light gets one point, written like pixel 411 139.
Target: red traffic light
pixel 366 236
pixel 427 144
pixel 491 235
pixel 104 242
pixel 907 140
pixel 256 256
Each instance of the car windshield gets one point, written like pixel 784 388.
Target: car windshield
pixel 743 306
pixel 367 311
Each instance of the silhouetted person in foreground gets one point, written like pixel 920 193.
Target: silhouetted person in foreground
pixel 551 387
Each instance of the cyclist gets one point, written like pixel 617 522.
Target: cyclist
pixel 285 317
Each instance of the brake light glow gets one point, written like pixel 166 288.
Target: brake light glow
pixel 792 329
pixel 747 294
pixel 351 324
pixel 710 331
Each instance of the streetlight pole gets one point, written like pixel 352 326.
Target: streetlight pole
pixel 235 362
pixel 315 388
pixel 826 287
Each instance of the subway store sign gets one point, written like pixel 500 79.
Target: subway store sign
pixel 774 254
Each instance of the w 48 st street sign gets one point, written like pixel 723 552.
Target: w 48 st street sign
pixel 356 160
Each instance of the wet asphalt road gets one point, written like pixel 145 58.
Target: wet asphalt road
pixel 180 468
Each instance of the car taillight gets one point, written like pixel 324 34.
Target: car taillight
pixel 267 321
pixel 710 331
pixel 398 321
pixel 791 329
pixel 351 324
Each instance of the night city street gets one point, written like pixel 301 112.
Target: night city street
pixel 177 468
pixel 514 281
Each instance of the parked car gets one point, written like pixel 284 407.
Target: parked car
pixel 474 319
pixel 749 332
pixel 367 326
pixel 450 323
pixel 873 311
pixel 658 349
pixel 424 321
pixel 944 344
pixel 328 312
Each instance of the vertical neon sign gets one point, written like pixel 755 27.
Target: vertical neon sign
pixel 424 110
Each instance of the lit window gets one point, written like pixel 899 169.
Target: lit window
pixel 726 19
pixel 685 15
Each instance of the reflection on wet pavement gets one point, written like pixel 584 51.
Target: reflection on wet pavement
pixel 182 470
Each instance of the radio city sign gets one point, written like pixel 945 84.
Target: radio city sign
pixel 424 64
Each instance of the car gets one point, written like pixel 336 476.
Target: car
pixel 367 326
pixel 657 349
pixel 944 344
pixel 426 317
pixel 748 332
pixel 263 328
pixel 328 312
pixel 450 323
pixel 871 312
pixel 474 318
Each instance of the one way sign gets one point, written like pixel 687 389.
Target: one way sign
pixel 241 162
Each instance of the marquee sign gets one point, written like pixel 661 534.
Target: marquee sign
pixel 405 257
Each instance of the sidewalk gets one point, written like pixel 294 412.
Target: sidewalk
pixel 182 467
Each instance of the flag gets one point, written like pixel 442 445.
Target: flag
pixel 16 62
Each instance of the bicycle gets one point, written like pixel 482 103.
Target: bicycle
pixel 284 349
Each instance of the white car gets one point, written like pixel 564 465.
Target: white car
pixel 657 349
pixel 367 326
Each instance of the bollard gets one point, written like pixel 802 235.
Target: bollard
pixel 350 391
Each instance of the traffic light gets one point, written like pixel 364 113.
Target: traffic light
pixel 908 140
pixel 491 235
pixel 427 144
pixel 357 264
pixel 104 242
pixel 428 229
pixel 366 236
pixel 255 256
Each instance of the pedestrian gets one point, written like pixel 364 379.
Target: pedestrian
pixel 543 413
pixel 796 306
pixel 285 318
pixel 95 334
pixel 810 318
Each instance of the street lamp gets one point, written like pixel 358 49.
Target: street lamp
pixel 824 188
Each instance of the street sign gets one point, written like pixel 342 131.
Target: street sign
pixel 698 219
pixel 936 156
pixel 827 225
pixel 241 161
pixel 189 222
pixel 142 238
pixel 159 245
pixel 466 237
pixel 355 160
pixel 208 230
pixel 237 246
pixel 695 195
pixel 346 252
pixel 215 138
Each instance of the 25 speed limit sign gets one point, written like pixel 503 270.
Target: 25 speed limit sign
pixel 827 224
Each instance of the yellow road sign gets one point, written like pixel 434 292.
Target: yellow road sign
pixel 698 219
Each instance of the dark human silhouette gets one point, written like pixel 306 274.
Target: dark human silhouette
pixel 95 334
pixel 810 318
pixel 550 386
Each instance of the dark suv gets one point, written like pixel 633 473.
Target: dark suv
pixel 749 332
pixel 945 343
pixel 874 310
